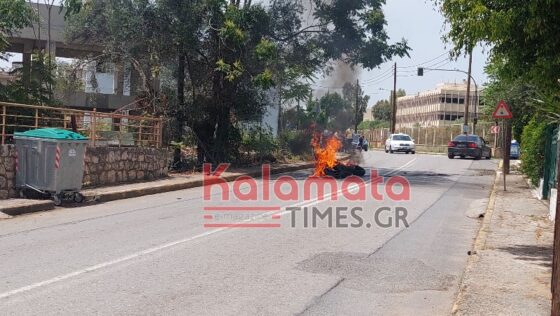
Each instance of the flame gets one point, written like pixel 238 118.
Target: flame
pixel 325 157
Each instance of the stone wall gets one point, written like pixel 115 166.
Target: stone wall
pixel 7 172
pixel 103 166
pixel 113 165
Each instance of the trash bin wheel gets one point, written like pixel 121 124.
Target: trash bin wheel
pixel 57 199
pixel 78 197
pixel 22 194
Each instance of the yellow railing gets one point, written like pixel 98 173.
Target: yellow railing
pixel 100 127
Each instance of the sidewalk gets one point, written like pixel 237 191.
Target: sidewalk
pixel 510 271
pixel 12 207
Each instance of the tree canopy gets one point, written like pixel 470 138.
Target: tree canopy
pixel 16 14
pixel 229 60
pixel 522 37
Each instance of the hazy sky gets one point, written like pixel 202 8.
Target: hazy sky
pixel 419 23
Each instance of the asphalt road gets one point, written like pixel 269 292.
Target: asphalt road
pixel 153 255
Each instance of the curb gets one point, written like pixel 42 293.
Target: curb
pixel 132 193
pixel 32 206
pixel 29 207
pixel 480 240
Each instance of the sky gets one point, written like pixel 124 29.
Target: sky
pixel 422 26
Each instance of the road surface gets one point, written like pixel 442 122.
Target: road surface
pixel 153 255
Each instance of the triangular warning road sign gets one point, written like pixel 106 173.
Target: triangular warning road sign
pixel 502 111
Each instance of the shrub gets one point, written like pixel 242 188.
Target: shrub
pixel 365 125
pixel 296 142
pixel 259 142
pixel 533 141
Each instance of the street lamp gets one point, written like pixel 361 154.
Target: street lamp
pixel 475 119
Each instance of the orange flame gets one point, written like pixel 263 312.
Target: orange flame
pixel 325 157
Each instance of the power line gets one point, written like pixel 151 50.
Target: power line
pixel 387 76
pixel 437 66
pixel 376 77
pixel 426 62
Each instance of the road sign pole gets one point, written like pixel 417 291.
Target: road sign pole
pixel 504 145
pixel 502 112
pixel 496 137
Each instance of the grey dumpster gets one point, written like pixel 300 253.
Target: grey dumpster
pixel 50 161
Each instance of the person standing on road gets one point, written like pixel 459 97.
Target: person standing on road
pixel 361 142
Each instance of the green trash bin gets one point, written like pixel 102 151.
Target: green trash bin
pixel 50 161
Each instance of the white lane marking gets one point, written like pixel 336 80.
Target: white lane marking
pixel 167 245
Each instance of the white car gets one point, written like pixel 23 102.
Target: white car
pixel 400 143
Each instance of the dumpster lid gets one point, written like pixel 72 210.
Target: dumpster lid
pixel 51 133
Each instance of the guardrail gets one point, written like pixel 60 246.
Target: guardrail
pixel 101 128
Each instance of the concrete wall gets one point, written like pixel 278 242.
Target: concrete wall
pixel 103 166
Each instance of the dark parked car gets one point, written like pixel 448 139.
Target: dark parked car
pixel 469 146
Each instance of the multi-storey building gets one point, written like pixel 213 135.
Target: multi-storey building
pixel 444 105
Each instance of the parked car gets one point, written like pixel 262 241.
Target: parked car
pixel 469 146
pixel 515 150
pixel 400 143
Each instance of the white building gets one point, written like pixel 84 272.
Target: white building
pixel 444 105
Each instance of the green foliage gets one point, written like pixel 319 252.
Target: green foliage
pixel 232 32
pixel 523 36
pixel 533 149
pixel 224 55
pixel 336 112
pixel 354 31
pixel 266 50
pixel 296 142
pixel 260 142
pixel 382 111
pixel 231 71
pixel 265 79
pixel 366 125
pixel 15 15
pixel 519 96
pixel 40 77
pixel 354 95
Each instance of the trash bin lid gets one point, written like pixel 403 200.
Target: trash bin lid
pixel 51 133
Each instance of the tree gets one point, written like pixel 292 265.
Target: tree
pixel 16 14
pixel 382 111
pixel 336 113
pixel 227 57
pixel 522 36
pixel 517 93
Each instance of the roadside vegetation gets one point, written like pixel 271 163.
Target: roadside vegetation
pixel 524 68
pixel 221 64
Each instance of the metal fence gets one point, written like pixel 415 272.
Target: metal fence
pixel 550 160
pixel 432 136
pixel 103 129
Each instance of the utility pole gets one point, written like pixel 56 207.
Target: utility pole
pixel 468 99
pixel 394 99
pixel 357 108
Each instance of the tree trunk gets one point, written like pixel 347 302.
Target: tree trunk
pixel 180 96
